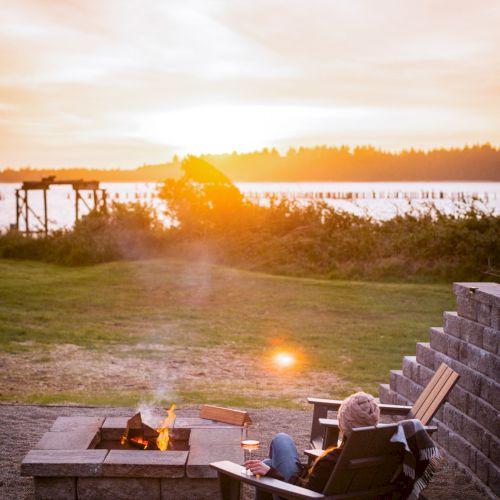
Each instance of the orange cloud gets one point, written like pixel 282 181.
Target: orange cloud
pixel 111 84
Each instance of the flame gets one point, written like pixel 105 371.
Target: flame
pixel 141 441
pixel 163 437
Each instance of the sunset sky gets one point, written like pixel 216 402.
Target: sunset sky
pixel 108 83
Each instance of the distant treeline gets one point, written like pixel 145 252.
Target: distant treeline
pixel 146 173
pixel 322 163
pixel 365 163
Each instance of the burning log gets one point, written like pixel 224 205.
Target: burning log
pixel 138 435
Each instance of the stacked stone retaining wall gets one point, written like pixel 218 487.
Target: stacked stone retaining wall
pixel 469 421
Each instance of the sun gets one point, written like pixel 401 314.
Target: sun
pixel 284 360
pixel 217 129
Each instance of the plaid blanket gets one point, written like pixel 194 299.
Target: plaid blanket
pixel 420 456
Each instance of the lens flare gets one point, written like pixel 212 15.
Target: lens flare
pixel 284 359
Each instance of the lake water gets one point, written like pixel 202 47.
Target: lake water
pixel 381 200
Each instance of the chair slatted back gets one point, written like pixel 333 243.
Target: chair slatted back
pixel 369 461
pixel 434 394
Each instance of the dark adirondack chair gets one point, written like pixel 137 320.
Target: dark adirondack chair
pixel 366 468
pixel 325 431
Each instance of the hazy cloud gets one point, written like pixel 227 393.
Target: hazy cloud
pixel 121 83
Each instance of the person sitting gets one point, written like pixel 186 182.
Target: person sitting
pixel 358 410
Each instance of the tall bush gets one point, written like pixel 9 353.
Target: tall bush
pixel 126 231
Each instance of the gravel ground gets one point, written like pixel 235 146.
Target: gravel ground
pixel 21 426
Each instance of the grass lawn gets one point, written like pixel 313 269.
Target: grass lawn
pixel 167 330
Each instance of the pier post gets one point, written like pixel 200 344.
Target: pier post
pixel 17 209
pixel 77 202
pixel 45 213
pixel 26 211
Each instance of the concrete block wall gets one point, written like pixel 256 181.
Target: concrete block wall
pixel 469 421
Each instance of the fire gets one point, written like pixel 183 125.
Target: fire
pixel 163 436
pixel 138 440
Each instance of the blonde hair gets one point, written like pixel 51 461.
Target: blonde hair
pixel 358 410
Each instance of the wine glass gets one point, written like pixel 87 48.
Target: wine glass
pixel 249 442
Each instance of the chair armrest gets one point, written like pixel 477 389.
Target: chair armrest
pixel 331 404
pixel 401 410
pixel 281 488
pixel 314 453
pixel 329 422
pixel 334 423
pixel 385 409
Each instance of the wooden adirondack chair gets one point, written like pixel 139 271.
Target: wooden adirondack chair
pixel 366 468
pixel 325 431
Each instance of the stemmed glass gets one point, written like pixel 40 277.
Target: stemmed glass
pixel 249 442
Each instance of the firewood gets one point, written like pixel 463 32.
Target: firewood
pixel 137 430
pixel 226 415
pixel 134 427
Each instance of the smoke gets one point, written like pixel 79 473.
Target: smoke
pixel 149 415
pixel 153 411
pixel 163 394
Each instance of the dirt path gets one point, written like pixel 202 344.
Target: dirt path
pixel 22 425
pixel 152 368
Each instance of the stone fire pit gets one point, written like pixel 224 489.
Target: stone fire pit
pixel 81 458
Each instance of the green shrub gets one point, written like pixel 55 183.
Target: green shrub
pixel 129 231
pixel 322 241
